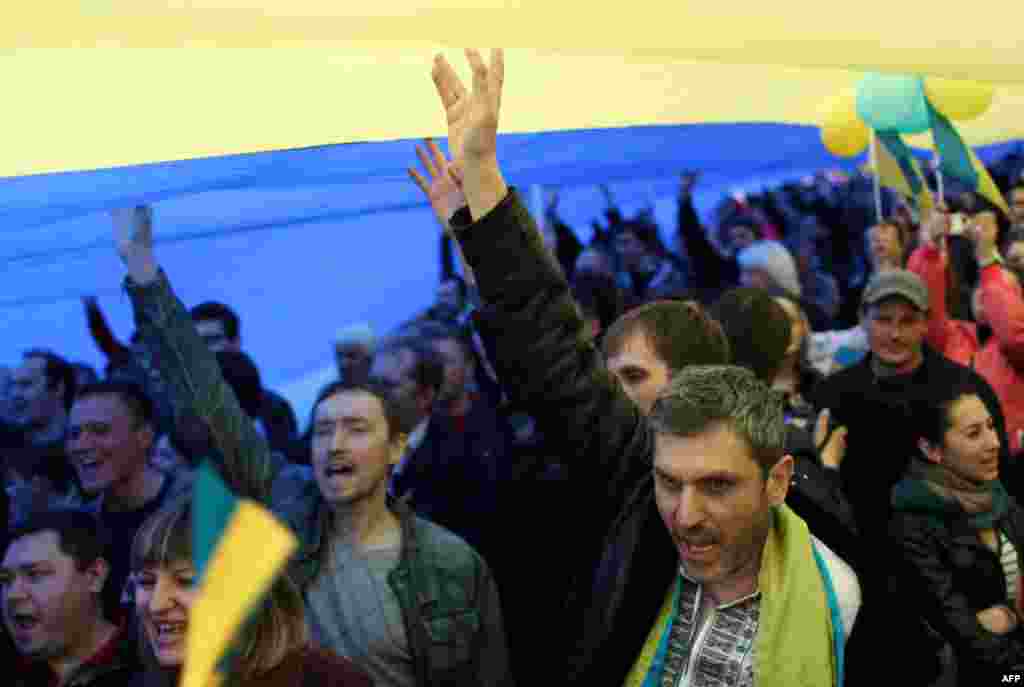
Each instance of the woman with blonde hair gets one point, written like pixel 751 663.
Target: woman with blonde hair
pixel 273 649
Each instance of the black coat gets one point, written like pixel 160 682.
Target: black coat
pixel 879 443
pixel 948 575
pixel 621 554
pixel 881 437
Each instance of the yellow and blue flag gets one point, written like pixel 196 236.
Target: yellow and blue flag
pixel 896 168
pixel 958 161
pixel 239 549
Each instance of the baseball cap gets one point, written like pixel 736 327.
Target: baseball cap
pixel 902 283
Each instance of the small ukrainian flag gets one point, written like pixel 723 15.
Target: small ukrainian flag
pixel 240 548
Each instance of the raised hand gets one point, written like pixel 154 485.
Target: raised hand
pixel 443 188
pixel 473 127
pixel 133 234
pixel 472 116
pixel 935 227
pixel 831 446
pixel 687 181
pixel 984 231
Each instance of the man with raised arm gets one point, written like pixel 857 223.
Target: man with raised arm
pixel 704 573
pixel 403 598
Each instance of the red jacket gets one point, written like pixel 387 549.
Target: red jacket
pixel 1001 361
pixel 955 339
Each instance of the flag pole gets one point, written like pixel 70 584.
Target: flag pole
pixel 938 176
pixel 877 175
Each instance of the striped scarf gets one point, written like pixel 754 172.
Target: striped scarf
pixel 797 600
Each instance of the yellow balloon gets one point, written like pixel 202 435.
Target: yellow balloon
pixel 959 100
pixel 842 131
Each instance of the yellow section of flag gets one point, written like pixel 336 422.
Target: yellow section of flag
pixel 253 550
pixel 987 187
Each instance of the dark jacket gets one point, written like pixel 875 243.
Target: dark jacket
pixel 454 475
pixel 117 665
pixel 881 437
pixel 949 575
pixel 876 412
pixel 279 419
pixel 621 553
pixel 712 272
pixel 448 598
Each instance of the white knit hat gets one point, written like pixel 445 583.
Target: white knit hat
pixel 773 258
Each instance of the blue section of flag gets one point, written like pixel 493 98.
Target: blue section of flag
pixel 904 158
pixel 956 159
pixel 213 506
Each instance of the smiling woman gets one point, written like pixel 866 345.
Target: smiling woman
pixel 274 648
pixel 958 536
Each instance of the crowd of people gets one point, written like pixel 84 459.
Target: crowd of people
pixel 781 450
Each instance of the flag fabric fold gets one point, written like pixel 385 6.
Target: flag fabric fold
pixel 896 168
pixel 958 161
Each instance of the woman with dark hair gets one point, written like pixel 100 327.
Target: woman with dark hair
pixel 957 536
pixel 273 649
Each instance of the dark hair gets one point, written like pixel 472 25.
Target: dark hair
pixel 931 415
pixel 135 399
pixel 758 330
pixel 242 375
pixel 58 371
pixel 702 397
pixel 681 334
pixel 277 628
pixel 212 310
pixel 646 232
pixel 432 334
pixel 598 295
pixel 79 534
pixel 88 371
pixel 428 368
pixel 375 387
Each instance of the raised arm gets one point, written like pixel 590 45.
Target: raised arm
pixel 711 269
pixel 928 261
pixel 443 188
pixel 114 350
pixel 1000 298
pixel 186 365
pixel 533 327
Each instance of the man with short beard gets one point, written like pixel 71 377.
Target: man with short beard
pixel 684 504
pixel 52 575
pixel 405 599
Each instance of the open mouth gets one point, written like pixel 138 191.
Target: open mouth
pixel 170 633
pixel 696 550
pixel 24 622
pixel 339 470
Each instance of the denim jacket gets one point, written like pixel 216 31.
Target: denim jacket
pixel 447 595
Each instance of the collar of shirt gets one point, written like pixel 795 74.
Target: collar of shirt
pixel 756 594
pixel 107 653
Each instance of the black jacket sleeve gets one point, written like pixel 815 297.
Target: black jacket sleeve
pixel 924 577
pixel 548 366
pixel 711 270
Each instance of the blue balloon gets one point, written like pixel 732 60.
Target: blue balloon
pixel 890 102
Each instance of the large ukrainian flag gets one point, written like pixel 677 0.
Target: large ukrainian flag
pixel 92 84
pixel 239 548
